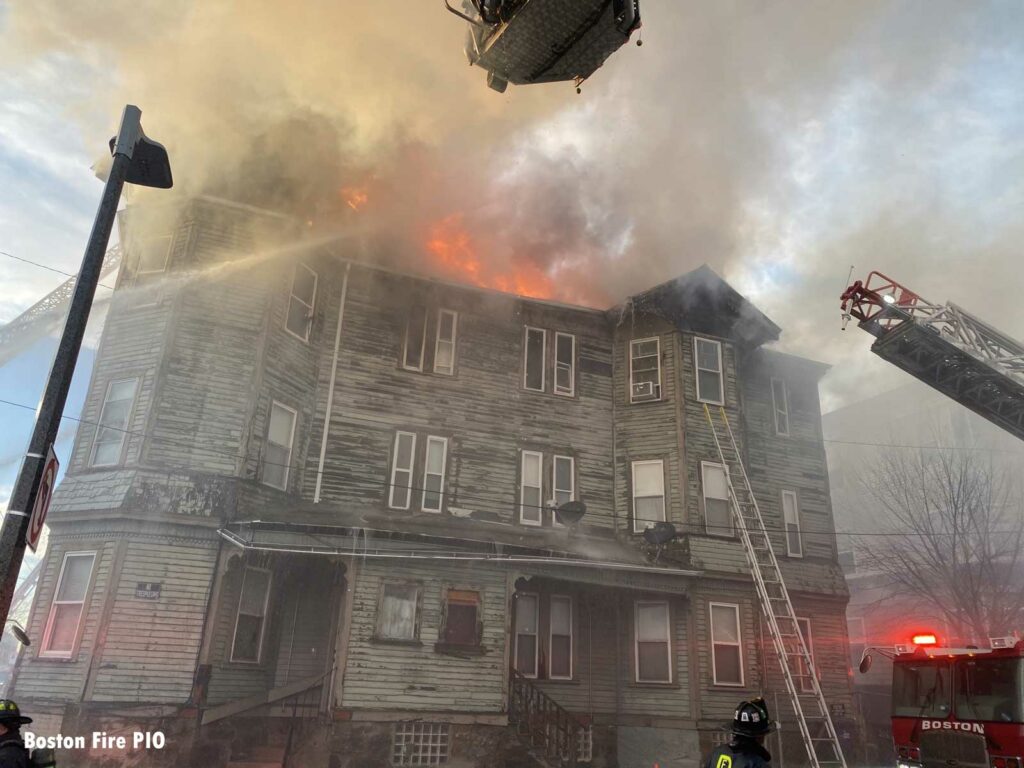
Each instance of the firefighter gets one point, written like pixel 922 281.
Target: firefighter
pixel 12 750
pixel 749 727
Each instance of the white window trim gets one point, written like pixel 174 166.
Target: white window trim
pixel 571 391
pixel 716 531
pixel 739 627
pixel 124 432
pixel 311 307
pixel 776 410
pixel 48 631
pixel 523 486
pixel 664 498
pixel 423 341
pixel 554 477
pixel 657 384
pixel 167 256
pixel 551 635
pixel 806 686
pixel 238 613
pixel 636 639
pixel 536 634
pixel 392 487
pixel 444 472
pixel 543 357
pixel 437 339
pixel 291 444
pixel 697 369
pixel 796 521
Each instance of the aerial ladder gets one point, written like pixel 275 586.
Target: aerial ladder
pixel 809 707
pixel 944 346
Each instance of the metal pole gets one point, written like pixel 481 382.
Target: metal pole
pixel 51 408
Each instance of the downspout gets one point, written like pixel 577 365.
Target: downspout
pixel 330 388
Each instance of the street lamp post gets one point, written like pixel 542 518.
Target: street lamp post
pixel 136 160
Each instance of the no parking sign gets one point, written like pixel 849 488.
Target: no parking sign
pixel 42 505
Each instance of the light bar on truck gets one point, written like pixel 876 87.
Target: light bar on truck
pixel 925 639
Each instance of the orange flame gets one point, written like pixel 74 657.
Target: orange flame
pixel 354 197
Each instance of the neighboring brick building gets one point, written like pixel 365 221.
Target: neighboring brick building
pixel 316 513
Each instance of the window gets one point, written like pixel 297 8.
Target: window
pixel 433 473
pixel 562 481
pixel 396 619
pixel 420 744
pixel 989 690
pixel 415 339
pixel 922 689
pixel 113 426
pixel 803 673
pixel 461 618
pixel 444 346
pixel 153 255
pixel 708 358
pixel 526 612
pixel 277 455
pixel 717 511
pixel 726 657
pixel 565 364
pixel 648 494
pixel 68 604
pixel 250 622
pixel 401 470
pixel 780 407
pixel 531 490
pixel 791 515
pixel 534 355
pixel 653 644
pixel 301 302
pixel 644 370
pixel 560 638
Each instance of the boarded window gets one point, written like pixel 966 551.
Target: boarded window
pixel 531 489
pixel 727 658
pixel 250 621
pixel 653 643
pixel 401 470
pixel 277 454
pixel 648 494
pixel 301 302
pixel 415 339
pixel 791 514
pixel 444 346
pixel 526 613
pixel 708 357
pixel 433 473
pixel 154 254
pixel 644 370
pixel 804 673
pixel 560 639
pixel 780 406
pixel 113 426
pixel 68 604
pixel 462 617
pixel 396 619
pixel 565 364
pixel 535 351
pixel 717 510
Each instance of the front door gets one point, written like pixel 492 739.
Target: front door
pixel 307 611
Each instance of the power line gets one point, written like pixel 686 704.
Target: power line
pixel 44 266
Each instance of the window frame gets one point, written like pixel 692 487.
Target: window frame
pixel 416 617
pixel 738 644
pixel 657 396
pixel 796 523
pixel 444 473
pixel 438 341
pixel 423 339
pixel 809 642
pixel 536 634
pixel 571 391
pixel 522 486
pixel 265 617
pixel 633 494
pixel 478 619
pixel 543 358
pixel 776 410
pixel 731 532
pixel 697 369
pixel 124 432
pixel 554 484
pixel 45 651
pixel 139 272
pixel 392 486
pixel 572 636
pixel 636 640
pixel 291 445
pixel 293 297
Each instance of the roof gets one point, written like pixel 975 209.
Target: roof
pixel 785 362
pixel 702 302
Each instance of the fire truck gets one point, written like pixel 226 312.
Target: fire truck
pixel 956 707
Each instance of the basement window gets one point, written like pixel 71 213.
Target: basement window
pixel 644 370
pixel 277 454
pixel 534 353
pixel 707 355
pixel 462 618
pixel 65 617
pixel 247 643
pixel 301 302
pixel 108 447
pixel 780 407
pixel 420 744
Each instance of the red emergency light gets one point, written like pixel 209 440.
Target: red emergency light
pixel 925 638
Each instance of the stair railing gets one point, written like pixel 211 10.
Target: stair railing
pixel 548 725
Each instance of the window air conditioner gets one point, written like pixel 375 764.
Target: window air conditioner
pixel 645 390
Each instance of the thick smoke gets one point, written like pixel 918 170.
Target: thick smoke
pixel 779 143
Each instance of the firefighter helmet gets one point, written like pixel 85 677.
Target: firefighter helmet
pixel 751 719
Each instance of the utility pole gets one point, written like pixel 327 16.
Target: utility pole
pixel 136 160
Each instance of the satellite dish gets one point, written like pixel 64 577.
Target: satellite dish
pixel 865 663
pixel 660 534
pixel 571 512
pixel 20 634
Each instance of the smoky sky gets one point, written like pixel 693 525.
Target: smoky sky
pixel 778 142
